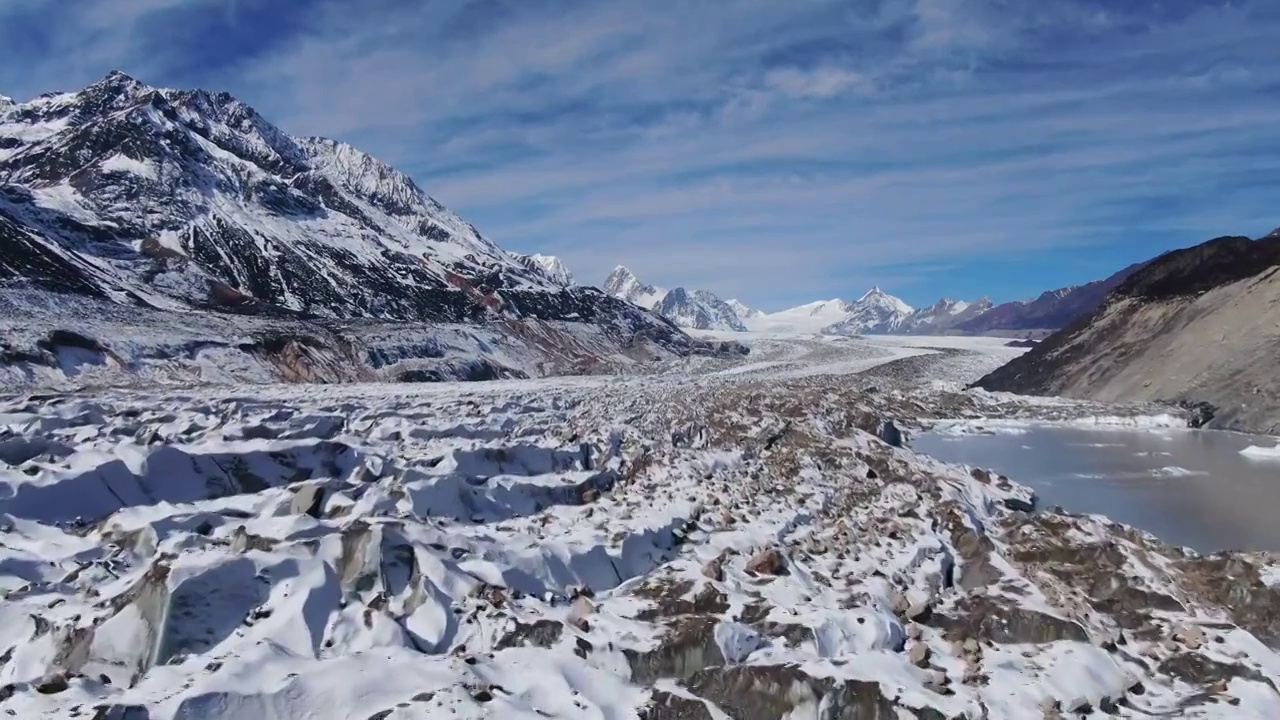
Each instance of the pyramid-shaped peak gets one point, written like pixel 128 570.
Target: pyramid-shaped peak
pixel 622 282
pixel 118 80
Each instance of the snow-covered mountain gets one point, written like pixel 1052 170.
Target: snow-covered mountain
pixel 875 312
pixel 694 309
pixel 742 311
pixel 549 265
pixel 809 318
pixel 699 309
pixel 188 200
pixel 624 285
pixel 943 316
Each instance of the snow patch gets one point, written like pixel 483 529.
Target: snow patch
pixel 124 164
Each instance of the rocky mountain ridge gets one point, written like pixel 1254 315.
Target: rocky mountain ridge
pixel 944 316
pixel 1051 310
pixel 691 309
pixel 1195 325
pixel 190 201
pixel 876 312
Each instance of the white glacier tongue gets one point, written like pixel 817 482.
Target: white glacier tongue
pixel 695 543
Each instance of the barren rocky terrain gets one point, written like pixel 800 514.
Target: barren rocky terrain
pixel 1196 326
pixel 741 539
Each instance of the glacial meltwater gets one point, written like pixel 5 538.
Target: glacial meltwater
pixel 1187 487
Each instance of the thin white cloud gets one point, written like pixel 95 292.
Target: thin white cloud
pixel 821 82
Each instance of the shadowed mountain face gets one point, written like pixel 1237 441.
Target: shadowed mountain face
pixel 1195 325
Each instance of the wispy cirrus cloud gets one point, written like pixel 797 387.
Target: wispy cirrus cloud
pixel 772 151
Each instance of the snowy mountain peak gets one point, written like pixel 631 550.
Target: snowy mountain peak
pixel 880 299
pixel 699 310
pixel 620 276
pixel 875 312
pixel 119 80
pixel 623 284
pixel 549 265
pixel 188 198
pixel 824 308
pixel 946 306
pixel 742 311
pixel 696 309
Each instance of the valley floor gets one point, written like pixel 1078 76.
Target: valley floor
pixel 717 539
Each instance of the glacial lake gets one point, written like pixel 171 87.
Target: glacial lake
pixel 1187 487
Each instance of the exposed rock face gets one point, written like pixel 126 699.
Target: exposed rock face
pixel 767 692
pixel 1193 325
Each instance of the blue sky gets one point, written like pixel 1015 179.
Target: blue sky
pixel 774 151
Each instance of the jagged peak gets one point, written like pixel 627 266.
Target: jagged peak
pixel 1272 235
pixel 118 81
pixel 621 275
pixel 549 265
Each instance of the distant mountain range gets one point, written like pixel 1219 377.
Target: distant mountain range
pixel 875 313
pixel 693 309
